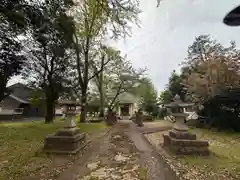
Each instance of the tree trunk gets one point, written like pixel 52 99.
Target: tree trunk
pixel 3 84
pixel 49 110
pixel 115 98
pixel 83 106
pixel 101 107
pixel 101 94
pixel 2 95
pixel 84 86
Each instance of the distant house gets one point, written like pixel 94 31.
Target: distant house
pixel 20 101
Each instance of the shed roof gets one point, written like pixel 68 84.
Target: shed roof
pixel 177 104
pixel 123 98
pixel 69 102
pixel 126 98
pixel 21 92
pixel 19 99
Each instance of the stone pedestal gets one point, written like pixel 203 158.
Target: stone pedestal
pixel 181 141
pixel 139 119
pixel 68 140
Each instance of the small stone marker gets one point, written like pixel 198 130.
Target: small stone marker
pixel 139 118
pixel 68 140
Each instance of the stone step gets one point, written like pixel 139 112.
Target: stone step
pixel 184 142
pixel 182 135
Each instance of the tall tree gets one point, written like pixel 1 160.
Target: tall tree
pixel 148 94
pixel 122 78
pixel 102 79
pixel 11 59
pixel 95 20
pixel 209 67
pixel 12 23
pixel 175 85
pixel 165 97
pixel 48 52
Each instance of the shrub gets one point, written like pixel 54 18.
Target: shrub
pixel 224 110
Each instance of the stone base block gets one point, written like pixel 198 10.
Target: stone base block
pixel 68 132
pixel 189 143
pixel 166 140
pixel 64 144
pixel 182 135
pixel 185 142
pixel 189 150
pixel 186 146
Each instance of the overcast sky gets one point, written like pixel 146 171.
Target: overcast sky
pixel 166 32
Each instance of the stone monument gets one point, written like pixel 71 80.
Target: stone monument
pixel 179 140
pixel 139 118
pixel 68 140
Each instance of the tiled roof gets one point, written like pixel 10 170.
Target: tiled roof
pixel 127 98
pixel 19 99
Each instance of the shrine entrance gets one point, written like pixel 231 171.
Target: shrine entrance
pixel 125 110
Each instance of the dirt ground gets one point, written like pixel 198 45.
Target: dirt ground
pixel 119 153
pixel 111 157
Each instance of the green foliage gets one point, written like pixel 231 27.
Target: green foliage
pixel 223 109
pixel 48 46
pixel 148 94
pixel 209 68
pixel 142 173
pixel 38 97
pixel 165 97
pixel 175 86
pixel 147 91
pixel 93 22
pixel 12 23
pixel 209 77
pixel 120 78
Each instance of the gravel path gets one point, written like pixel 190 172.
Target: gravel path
pixel 113 157
pixel 156 168
pixel 121 154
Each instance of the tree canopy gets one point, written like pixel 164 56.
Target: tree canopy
pixel 174 87
pixel 210 78
pixel 61 40
pixel 12 24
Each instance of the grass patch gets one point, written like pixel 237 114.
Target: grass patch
pixel 21 144
pixel 94 127
pixel 223 163
pixel 142 173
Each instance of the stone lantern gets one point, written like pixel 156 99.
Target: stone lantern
pixel 177 111
pixel 68 140
pixel 179 140
pixel 69 109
